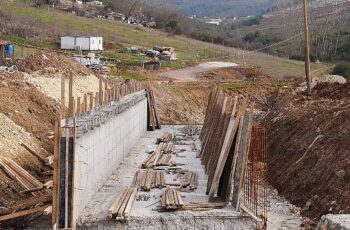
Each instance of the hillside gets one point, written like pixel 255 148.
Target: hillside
pixel 42 27
pixel 237 8
pixel 222 8
pixel 329 32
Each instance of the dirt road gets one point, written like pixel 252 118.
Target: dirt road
pixel 190 73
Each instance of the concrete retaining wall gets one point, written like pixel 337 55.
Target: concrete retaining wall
pixel 98 152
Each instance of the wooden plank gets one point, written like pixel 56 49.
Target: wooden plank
pixel 238 173
pixel 85 108
pixel 113 210
pixel 26 204
pixel 48 210
pixel 120 214
pixel 230 133
pixel 130 204
pixel 56 170
pixel 34 153
pixel 63 96
pixel 23 213
pixel 71 99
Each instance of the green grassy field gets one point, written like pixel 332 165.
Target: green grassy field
pixel 54 24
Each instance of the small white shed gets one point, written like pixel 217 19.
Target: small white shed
pixel 82 43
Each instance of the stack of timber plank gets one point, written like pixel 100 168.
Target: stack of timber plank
pixel 147 179
pixel 225 141
pixel 156 159
pixel 189 180
pixel 121 207
pixel 39 204
pixel 203 206
pixel 166 137
pixel 27 181
pixel 166 147
pixel 153 119
pixel 171 199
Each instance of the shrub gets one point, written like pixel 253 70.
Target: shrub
pixel 342 69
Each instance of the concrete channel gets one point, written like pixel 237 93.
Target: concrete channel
pixel 94 215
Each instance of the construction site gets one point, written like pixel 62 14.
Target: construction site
pixel 213 146
pixel 137 115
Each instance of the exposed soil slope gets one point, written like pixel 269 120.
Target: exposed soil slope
pixel 313 176
pixel 51 63
pixel 27 107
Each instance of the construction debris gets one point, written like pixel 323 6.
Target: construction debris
pixel 36 204
pixel 153 121
pixel 166 137
pixel 156 159
pixel 17 173
pixel 190 130
pixel 166 147
pixel 189 180
pixel 171 199
pixel 121 208
pixel 147 179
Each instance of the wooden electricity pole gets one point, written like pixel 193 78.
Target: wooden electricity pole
pixel 307 48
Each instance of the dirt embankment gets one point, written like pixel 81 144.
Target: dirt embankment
pixel 181 103
pixel 27 107
pixel 51 63
pixel 27 116
pixel 309 149
pixel 185 103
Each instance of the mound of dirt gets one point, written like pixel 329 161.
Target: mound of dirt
pixel 51 86
pixel 51 63
pixel 182 103
pixel 309 149
pixel 27 107
pixel 236 73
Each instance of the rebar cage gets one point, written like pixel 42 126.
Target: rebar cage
pixel 254 196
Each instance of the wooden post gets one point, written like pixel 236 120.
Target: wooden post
pixel 71 99
pixel 56 170
pixel 91 101
pixel 100 92
pixel 97 99
pixel 85 108
pixel 78 105
pixel 63 100
pixel 307 48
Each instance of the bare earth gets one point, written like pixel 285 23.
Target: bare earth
pixel 191 73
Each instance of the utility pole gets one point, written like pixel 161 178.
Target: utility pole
pixel 307 48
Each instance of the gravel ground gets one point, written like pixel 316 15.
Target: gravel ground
pixel 11 137
pixel 51 85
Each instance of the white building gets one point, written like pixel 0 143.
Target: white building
pixel 82 43
pixel 215 21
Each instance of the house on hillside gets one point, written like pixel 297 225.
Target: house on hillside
pixel 95 3
pixel 116 16
pixel 215 21
pixel 89 43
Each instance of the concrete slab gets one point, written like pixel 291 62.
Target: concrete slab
pixel 94 216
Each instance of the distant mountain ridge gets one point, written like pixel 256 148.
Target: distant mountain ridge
pixel 222 8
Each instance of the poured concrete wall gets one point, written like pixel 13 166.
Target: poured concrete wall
pixel 101 149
